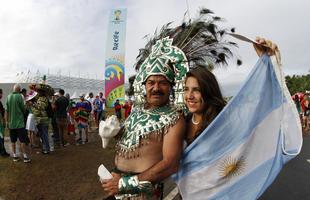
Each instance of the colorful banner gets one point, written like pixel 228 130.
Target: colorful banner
pixel 115 57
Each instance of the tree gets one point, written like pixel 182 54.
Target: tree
pixel 298 83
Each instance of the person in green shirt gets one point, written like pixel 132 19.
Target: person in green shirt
pixel 16 124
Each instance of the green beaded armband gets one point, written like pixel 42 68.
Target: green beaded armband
pixel 132 185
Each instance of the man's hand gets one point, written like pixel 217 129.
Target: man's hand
pixel 111 186
pixel 265 46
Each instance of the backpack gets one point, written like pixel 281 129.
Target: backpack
pixel 49 110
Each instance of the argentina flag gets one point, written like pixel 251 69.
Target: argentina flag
pixel 240 154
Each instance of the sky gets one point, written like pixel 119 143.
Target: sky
pixel 68 36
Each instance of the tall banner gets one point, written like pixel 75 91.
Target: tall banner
pixel 115 57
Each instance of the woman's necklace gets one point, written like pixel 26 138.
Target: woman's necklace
pixel 193 121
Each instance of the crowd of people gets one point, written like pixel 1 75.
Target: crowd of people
pixel 28 117
pixel 302 102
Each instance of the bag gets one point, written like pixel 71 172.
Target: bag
pixel 49 110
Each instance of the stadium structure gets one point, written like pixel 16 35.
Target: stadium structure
pixel 72 85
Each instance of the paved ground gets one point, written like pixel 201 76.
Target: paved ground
pixel 294 180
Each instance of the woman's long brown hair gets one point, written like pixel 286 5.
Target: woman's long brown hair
pixel 211 94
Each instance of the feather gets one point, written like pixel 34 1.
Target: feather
pixel 201 40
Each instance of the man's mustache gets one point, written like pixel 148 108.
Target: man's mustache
pixel 157 93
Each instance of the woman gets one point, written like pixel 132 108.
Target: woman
pixel 204 101
pixel 203 96
pixel 30 123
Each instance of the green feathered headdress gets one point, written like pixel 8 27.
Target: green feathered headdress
pixel 171 52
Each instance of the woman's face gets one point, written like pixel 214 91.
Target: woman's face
pixel 192 96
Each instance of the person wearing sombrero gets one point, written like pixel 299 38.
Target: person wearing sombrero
pixel 39 110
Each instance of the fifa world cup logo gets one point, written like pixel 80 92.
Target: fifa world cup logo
pixel 117 14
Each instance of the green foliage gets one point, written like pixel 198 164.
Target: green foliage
pixel 298 83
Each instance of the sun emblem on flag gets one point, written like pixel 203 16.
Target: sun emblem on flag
pixel 231 167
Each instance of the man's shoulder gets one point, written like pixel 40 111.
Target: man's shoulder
pixel 62 99
pixel 15 96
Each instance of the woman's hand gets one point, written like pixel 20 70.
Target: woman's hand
pixel 265 46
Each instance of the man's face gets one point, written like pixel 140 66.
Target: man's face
pixel 157 91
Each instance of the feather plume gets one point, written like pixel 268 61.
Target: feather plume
pixel 202 41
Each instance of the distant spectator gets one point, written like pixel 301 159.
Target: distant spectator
pixel 26 113
pixel 31 124
pixel 2 127
pixel 16 124
pixel 127 107
pixel 55 128
pixel 97 110
pixel 306 105
pixel 118 109
pixel 82 111
pixel 24 93
pixel 102 99
pixel 71 126
pixel 92 115
pixel 61 106
pixel 298 105
pixel 39 110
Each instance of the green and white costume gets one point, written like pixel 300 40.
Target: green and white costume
pixel 169 61
pixel 141 124
pixel 166 60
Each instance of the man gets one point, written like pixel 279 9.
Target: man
pixel 150 146
pixel 24 92
pixel 54 124
pixel 16 124
pixel 102 99
pixel 98 108
pixel 61 104
pixel 3 152
pixel 40 113
pixel 81 115
pixel 91 119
